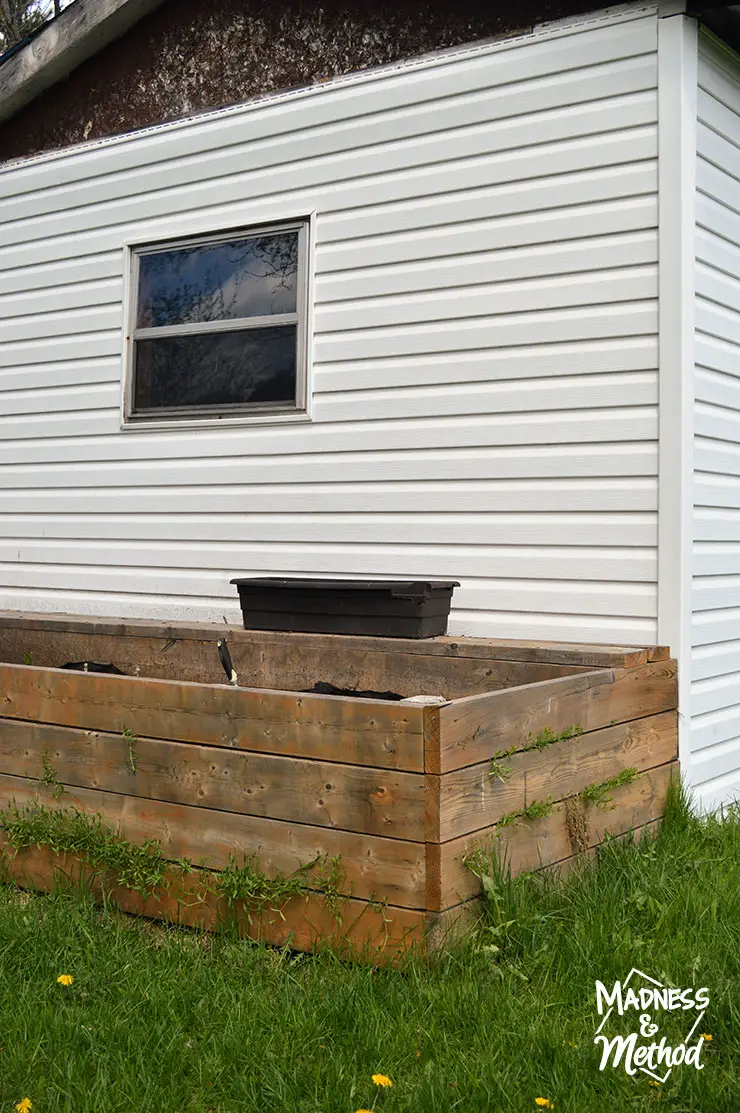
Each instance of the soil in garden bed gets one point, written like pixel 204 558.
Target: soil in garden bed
pixel 321 688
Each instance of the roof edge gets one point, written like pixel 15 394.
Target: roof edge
pixel 722 19
pixel 618 13
pixel 80 31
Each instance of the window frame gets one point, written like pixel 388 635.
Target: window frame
pixel 236 414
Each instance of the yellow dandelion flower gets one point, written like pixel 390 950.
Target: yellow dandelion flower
pixel 655 1084
pixel 65 979
pixel 24 1106
pixel 364 1111
pixel 382 1080
pixel 705 1036
pixel 545 1103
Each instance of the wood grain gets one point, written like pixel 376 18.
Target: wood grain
pixel 472 730
pixel 533 844
pixel 325 794
pixel 470 798
pixel 374 868
pixel 331 728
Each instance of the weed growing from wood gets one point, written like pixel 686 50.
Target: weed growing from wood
pixel 247 883
pixel 598 793
pixel 132 739
pixel 499 772
pixel 546 737
pixel 144 868
pixel 576 817
pixel 26 658
pixel 49 776
pixel 332 881
pixel 538 809
pixel 69 830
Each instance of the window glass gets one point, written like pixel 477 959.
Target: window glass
pixel 216 369
pixel 219 325
pixel 250 277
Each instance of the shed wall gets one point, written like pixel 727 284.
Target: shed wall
pixel 484 347
pixel 715 658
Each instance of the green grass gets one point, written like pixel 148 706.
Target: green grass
pixel 173 1021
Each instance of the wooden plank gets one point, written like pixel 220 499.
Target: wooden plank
pixel 533 844
pixel 280 666
pixel 331 728
pixel 501 649
pixel 356 930
pixel 325 794
pixel 374 868
pixel 473 729
pixel 471 799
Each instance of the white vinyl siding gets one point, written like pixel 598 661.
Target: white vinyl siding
pixel 483 347
pixel 715 658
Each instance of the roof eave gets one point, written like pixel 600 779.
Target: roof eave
pixel 722 19
pixel 81 30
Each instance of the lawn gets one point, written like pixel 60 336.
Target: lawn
pixel 169 1020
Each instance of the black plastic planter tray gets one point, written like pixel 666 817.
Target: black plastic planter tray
pixel 382 608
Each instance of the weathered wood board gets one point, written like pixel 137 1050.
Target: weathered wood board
pixel 475 728
pixel 279 666
pixel 324 794
pixel 302 645
pixel 473 797
pixel 332 728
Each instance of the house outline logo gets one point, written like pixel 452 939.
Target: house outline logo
pixel 686 1000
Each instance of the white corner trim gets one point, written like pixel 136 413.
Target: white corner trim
pixel 677 100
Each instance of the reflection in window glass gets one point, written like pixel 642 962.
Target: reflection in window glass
pixel 251 277
pixel 216 369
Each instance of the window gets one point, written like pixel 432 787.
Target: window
pixel 219 326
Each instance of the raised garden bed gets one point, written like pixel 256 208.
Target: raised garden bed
pixel 389 799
